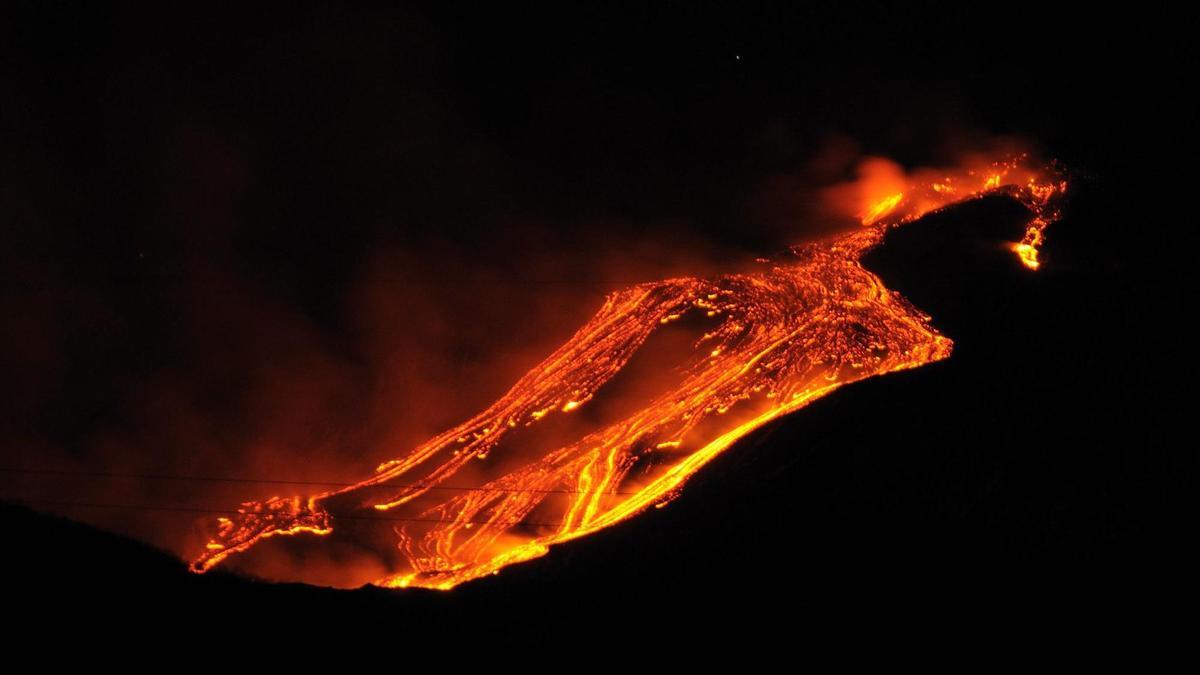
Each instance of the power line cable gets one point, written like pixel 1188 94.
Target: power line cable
pixel 277 481
pixel 227 511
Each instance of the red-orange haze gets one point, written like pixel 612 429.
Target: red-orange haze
pixel 661 379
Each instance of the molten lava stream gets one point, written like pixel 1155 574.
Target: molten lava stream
pixel 476 498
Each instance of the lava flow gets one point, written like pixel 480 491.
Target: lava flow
pixel 810 322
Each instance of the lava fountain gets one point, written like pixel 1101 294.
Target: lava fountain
pixel 812 320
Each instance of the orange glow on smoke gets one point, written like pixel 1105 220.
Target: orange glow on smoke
pixel 879 189
pixel 775 340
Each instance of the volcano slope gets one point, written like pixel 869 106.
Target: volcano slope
pixel 1037 453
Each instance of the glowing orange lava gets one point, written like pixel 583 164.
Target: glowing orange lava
pixel 782 337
